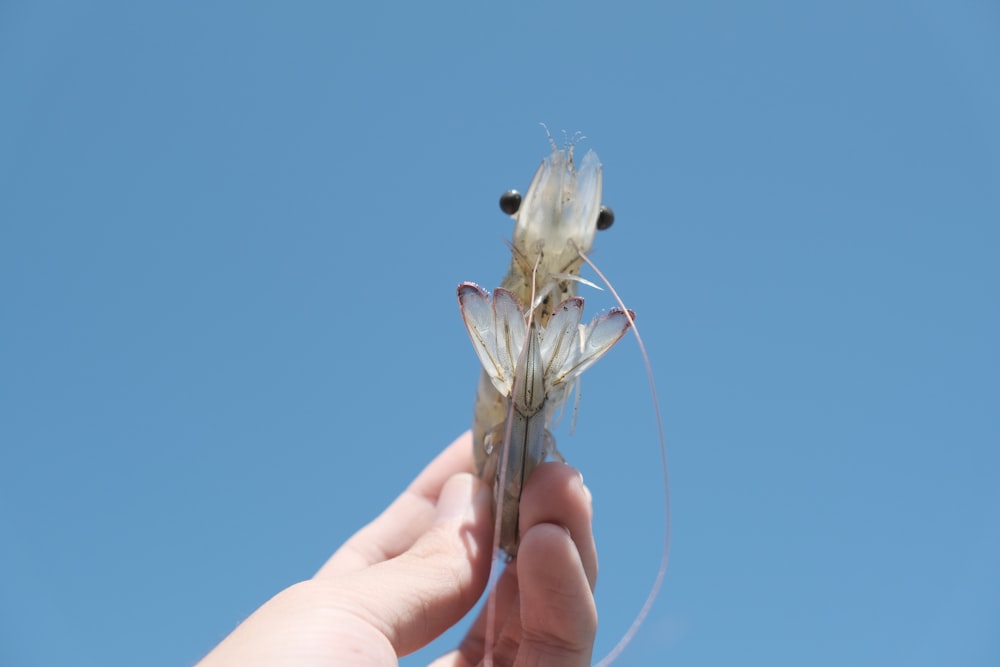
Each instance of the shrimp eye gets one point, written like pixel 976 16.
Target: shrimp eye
pixel 605 218
pixel 510 201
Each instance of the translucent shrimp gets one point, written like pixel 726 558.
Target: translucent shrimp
pixel 554 225
pixel 533 354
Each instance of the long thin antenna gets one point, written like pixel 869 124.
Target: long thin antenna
pixel 661 573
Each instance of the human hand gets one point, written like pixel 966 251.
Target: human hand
pixel 421 565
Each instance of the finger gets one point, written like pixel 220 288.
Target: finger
pixel 558 614
pixel 373 616
pixel 406 519
pixel 551 619
pixel 555 494
pixel 413 598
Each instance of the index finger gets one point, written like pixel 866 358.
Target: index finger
pixel 406 519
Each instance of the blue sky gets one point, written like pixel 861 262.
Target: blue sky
pixel 230 235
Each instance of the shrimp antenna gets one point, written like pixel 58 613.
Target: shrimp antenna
pixel 661 573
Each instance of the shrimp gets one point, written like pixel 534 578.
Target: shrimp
pixel 533 348
pixel 554 225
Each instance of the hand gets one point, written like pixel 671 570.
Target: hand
pixel 419 568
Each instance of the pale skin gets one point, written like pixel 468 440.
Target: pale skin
pixel 419 567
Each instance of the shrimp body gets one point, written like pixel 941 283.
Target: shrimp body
pixel 554 224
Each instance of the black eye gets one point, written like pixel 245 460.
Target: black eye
pixel 510 201
pixel 605 218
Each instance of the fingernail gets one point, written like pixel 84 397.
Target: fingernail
pixel 456 498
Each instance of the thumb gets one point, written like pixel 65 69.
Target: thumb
pixel 416 596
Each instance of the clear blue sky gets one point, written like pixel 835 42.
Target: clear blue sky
pixel 230 235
